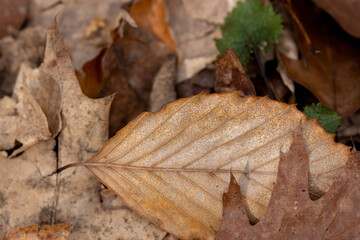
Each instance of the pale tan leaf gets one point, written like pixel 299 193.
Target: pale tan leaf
pixel 84 131
pixel 32 114
pixel 172 166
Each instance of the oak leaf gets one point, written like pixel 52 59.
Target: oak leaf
pixel 172 166
pixel 291 213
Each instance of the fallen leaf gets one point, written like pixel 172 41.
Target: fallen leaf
pixel 92 81
pixel 231 75
pixel 172 166
pixel 333 75
pixel 12 16
pixel 346 13
pixel 35 232
pixel 291 213
pixel 85 130
pixel 163 90
pixel 150 15
pixel 35 116
pixel 130 66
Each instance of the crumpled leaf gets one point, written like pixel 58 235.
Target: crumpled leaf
pixel 327 118
pixel 333 75
pixel 249 25
pixel 291 214
pixel 172 166
pixel 345 12
pixel 231 75
pixel 35 232
pixel 35 116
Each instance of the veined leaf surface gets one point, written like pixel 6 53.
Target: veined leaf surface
pixel 173 166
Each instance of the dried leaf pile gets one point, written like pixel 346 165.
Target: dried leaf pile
pixel 164 175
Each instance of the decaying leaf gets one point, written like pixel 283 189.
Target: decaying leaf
pixel 35 232
pixel 130 66
pixel 231 75
pixel 291 213
pixel 35 112
pixel 172 166
pixel 85 130
pixel 333 75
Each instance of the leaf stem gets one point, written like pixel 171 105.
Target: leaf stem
pixel 113 165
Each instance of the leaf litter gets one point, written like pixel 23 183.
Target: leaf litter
pixel 52 200
pixel 83 150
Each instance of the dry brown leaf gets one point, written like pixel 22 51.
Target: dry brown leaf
pixel 172 166
pixel 291 213
pixel 345 12
pixel 35 232
pixel 130 66
pixel 92 81
pixel 333 75
pixel 35 116
pixel 231 75
pixel 85 130
pixel 150 15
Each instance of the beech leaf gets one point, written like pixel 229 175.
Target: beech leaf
pixel 291 213
pixel 173 166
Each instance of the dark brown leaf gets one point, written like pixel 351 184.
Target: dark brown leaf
pixel 333 75
pixel 231 75
pixel 345 12
pixel 130 66
pixel 291 214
